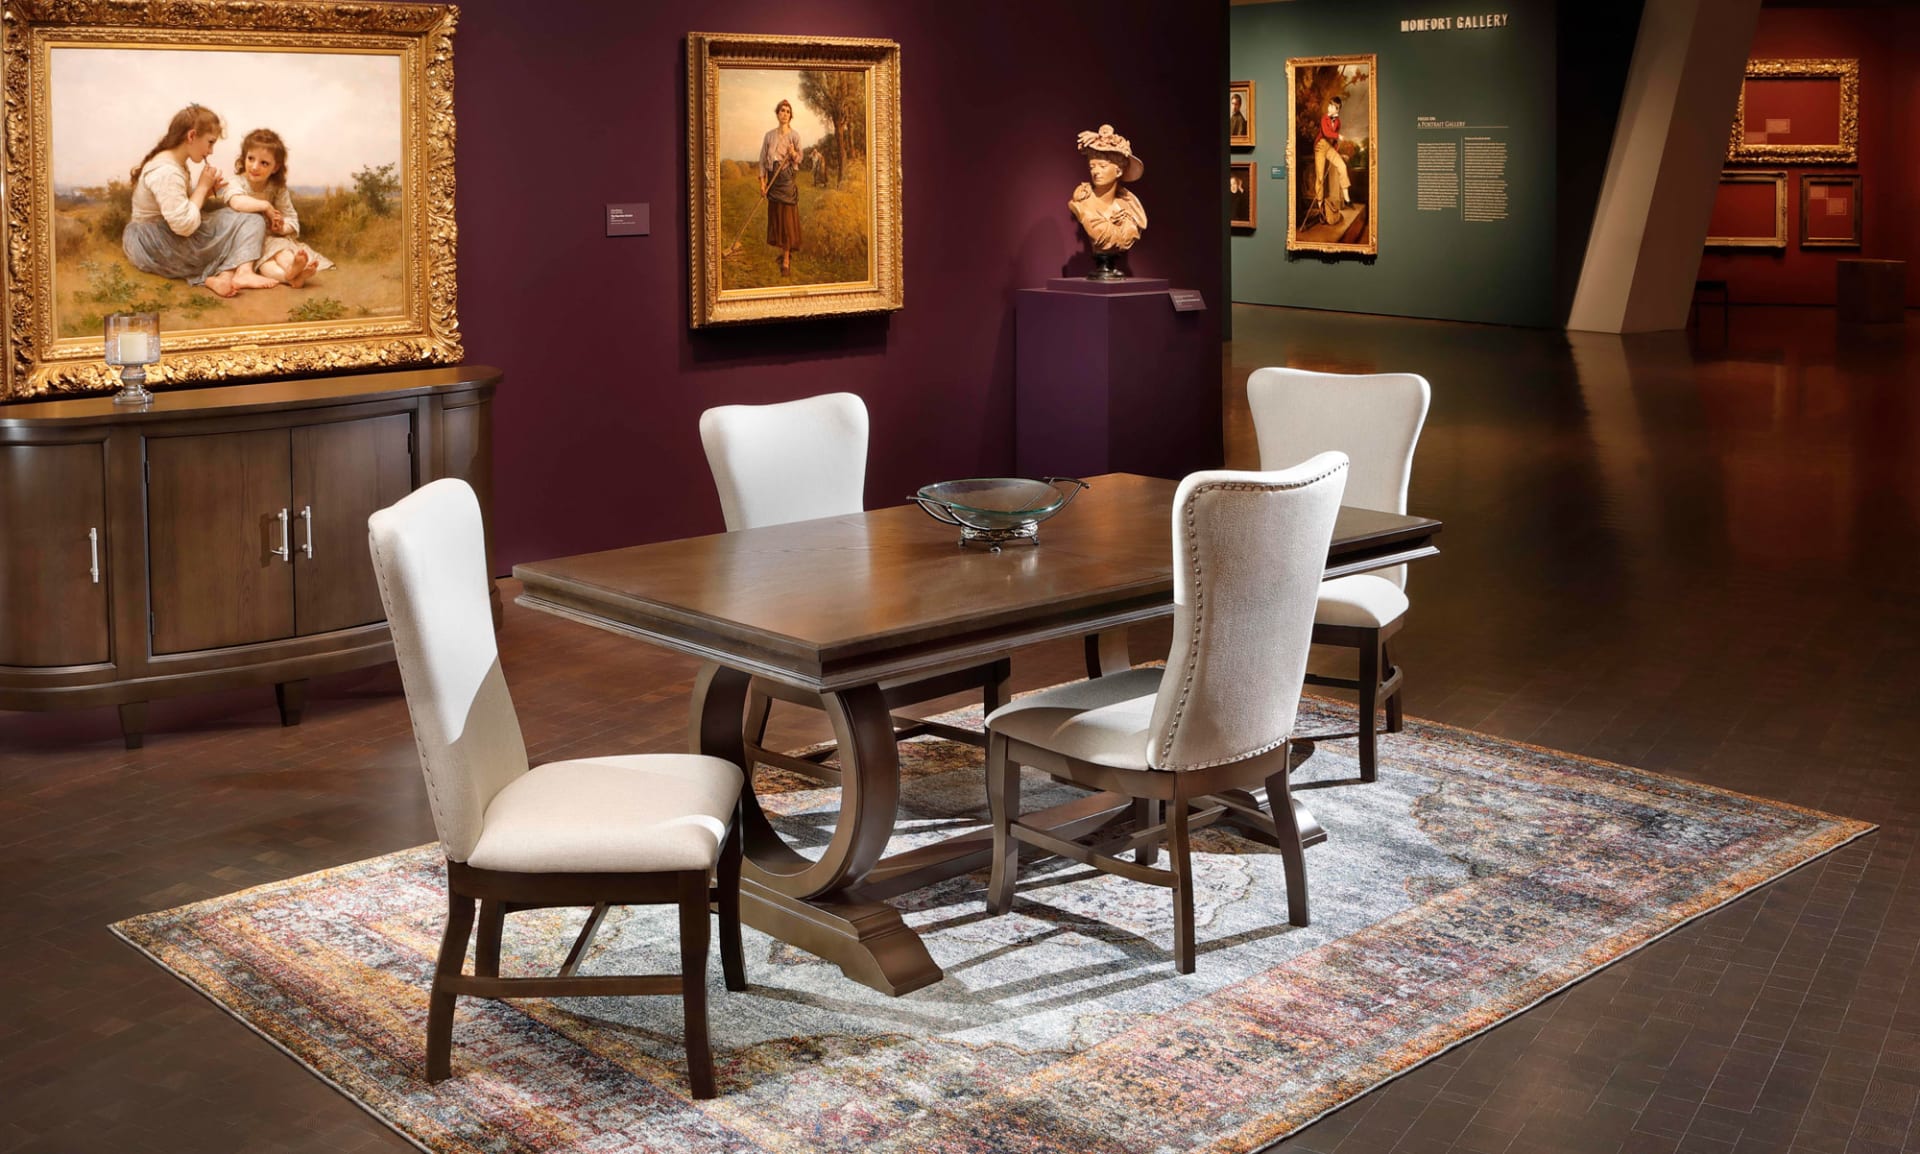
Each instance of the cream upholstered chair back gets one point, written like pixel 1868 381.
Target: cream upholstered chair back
pixel 1373 418
pixel 429 555
pixel 1248 553
pixel 792 461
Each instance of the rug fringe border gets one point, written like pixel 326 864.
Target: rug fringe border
pixel 367 1107
pixel 1270 1143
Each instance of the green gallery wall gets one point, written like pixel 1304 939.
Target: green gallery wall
pixel 1497 82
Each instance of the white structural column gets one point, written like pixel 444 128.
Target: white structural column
pixel 1651 222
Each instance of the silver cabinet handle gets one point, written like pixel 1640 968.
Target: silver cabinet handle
pixel 285 551
pixel 93 547
pixel 306 524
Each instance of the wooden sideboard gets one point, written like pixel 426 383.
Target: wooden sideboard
pixel 216 537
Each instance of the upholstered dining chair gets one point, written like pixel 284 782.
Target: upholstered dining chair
pixel 1194 739
pixel 796 461
pixel 1375 419
pixel 597 831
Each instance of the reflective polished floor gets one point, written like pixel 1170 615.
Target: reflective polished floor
pixel 1693 552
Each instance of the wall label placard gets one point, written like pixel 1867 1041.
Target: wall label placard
pixel 1460 169
pixel 629 219
pixel 1455 23
pixel 1277 172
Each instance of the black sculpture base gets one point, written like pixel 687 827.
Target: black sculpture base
pixel 1103 267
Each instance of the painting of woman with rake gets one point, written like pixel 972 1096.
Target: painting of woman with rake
pixel 779 162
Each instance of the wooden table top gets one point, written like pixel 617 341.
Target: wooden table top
pixel 850 600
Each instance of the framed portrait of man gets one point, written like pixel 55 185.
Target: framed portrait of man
pixel 273 181
pixel 793 152
pixel 1334 125
pixel 1242 207
pixel 1240 113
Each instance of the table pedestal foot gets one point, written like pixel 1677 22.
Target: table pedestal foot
pixel 867 940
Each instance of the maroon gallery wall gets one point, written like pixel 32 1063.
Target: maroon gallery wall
pixel 566 107
pixel 1886 41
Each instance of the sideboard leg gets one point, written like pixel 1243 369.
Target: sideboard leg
pixel 291 696
pixel 133 723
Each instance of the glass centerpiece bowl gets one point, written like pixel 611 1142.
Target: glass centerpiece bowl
pixel 996 511
pixel 133 343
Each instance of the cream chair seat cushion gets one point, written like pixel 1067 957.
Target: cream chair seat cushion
pixel 1103 720
pixel 642 813
pixel 1361 600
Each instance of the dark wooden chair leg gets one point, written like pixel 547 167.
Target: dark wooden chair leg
pixel 1180 850
pixel 133 723
pixel 1003 800
pixel 453 956
pixel 693 981
pixel 291 697
pixel 733 965
pixel 1147 813
pixel 1396 716
pixel 486 951
pixel 1293 856
pixel 994 693
pixel 1107 653
pixel 1369 691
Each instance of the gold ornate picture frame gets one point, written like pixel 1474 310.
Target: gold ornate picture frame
pixel 1735 223
pixel 91 85
pixel 1333 135
pixel 1826 94
pixel 793 177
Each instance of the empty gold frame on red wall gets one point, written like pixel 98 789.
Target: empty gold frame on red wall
pixel 1797 112
pixel 1749 211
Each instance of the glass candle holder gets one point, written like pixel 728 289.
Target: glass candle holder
pixel 133 343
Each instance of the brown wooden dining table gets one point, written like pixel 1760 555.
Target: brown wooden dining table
pixel 841 605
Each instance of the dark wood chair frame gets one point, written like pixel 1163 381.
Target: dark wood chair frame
pixel 989 678
pixel 1168 807
pixel 500 893
pixel 1378 684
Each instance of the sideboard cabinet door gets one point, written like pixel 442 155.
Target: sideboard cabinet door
pixel 342 473
pixel 53 569
pixel 214 520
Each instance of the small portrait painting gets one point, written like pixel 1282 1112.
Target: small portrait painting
pixel 1240 196
pixel 1240 114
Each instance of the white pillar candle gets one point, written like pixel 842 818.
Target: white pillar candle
pixel 134 348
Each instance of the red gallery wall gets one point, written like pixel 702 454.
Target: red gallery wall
pixel 1886 41
pixel 564 108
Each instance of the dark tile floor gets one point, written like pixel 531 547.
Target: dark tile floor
pixel 1693 554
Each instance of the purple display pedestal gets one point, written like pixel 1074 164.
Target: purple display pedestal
pixel 1108 378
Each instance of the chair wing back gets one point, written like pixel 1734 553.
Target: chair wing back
pixel 1248 553
pixel 429 555
pixel 788 462
pixel 1374 418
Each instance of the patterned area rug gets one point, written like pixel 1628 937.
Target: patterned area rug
pixel 1475 878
